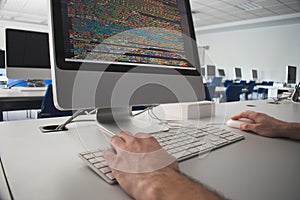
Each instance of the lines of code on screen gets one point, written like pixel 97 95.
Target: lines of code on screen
pixel 127 31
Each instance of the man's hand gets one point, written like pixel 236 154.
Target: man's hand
pixel 263 124
pixel 137 153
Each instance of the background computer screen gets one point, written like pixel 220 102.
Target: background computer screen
pixel 254 74
pixel 149 41
pixel 203 71
pixel 27 54
pixel 291 74
pixel 238 72
pixel 221 72
pixel 211 70
pixel 2 59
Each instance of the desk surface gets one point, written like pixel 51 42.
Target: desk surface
pixel 46 166
pixel 12 93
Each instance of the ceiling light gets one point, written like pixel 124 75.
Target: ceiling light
pixel 249 6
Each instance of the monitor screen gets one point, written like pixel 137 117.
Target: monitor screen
pixel 203 71
pixel 291 74
pixel 143 42
pixel 2 59
pixel 221 72
pixel 211 70
pixel 254 74
pixel 27 54
pixel 238 72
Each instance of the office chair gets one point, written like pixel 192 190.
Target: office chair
pixel 228 82
pixel 243 83
pixel 250 89
pixel 48 109
pixel 216 81
pixel 209 92
pixel 232 93
pixel 262 91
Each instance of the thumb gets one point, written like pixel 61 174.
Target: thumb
pixel 248 127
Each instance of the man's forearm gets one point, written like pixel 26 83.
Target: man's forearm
pixel 171 184
pixel 292 130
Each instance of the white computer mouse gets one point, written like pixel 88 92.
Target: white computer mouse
pixel 236 123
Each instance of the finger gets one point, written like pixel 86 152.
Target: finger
pixel 125 135
pixel 142 135
pixel 109 156
pixel 116 142
pixel 246 114
pixel 249 127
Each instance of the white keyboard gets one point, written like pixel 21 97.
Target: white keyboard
pixel 181 142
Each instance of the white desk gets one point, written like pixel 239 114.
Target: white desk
pixel 273 90
pixel 11 99
pixel 46 167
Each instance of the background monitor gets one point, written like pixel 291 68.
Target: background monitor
pixel 2 62
pixel 27 54
pixel 291 74
pixel 111 65
pixel 238 73
pixel 2 59
pixel 254 74
pixel 221 72
pixel 203 71
pixel 211 70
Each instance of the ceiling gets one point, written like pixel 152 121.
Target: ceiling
pixel 205 12
pixel 213 12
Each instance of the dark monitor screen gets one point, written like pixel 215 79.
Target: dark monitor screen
pixel 221 72
pixel 203 71
pixel 2 59
pixel 291 74
pixel 238 72
pixel 254 74
pixel 27 49
pixel 211 70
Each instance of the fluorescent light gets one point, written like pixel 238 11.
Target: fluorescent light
pixel 249 6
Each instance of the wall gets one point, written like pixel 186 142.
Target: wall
pixel 268 49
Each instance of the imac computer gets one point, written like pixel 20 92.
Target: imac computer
pixel 238 73
pixel 211 71
pixel 291 75
pixel 2 62
pixel 221 72
pixel 112 55
pixel 27 55
pixel 254 74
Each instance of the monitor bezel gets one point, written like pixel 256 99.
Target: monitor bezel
pixel 235 72
pixel 61 63
pixel 252 71
pixel 2 59
pixel 26 72
pixel 207 70
pixel 287 74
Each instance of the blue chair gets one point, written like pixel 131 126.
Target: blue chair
pixel 216 81
pixel 48 109
pixel 243 83
pixel 16 82
pixel 250 89
pixel 228 82
pixel 47 82
pixel 232 93
pixel 262 91
pixel 209 92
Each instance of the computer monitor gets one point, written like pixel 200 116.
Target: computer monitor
pixel 27 54
pixel 2 62
pixel 221 72
pixel 291 74
pixel 203 71
pixel 141 53
pixel 211 71
pixel 254 74
pixel 238 73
